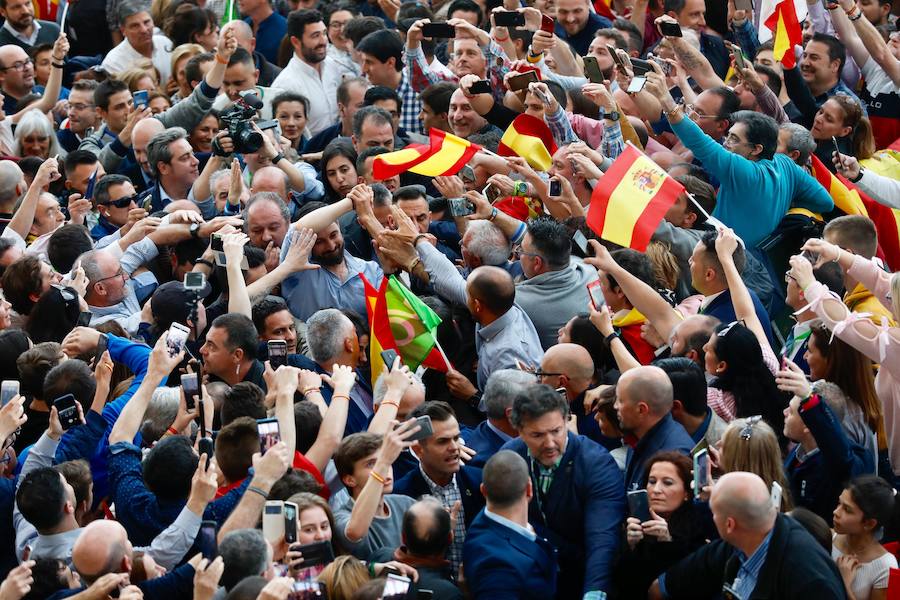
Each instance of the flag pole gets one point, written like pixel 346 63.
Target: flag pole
pixel 437 345
pixel 697 205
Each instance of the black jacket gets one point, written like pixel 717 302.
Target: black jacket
pixel 796 567
pixel 468 479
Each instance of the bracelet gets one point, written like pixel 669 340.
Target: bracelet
pixel 858 176
pixel 220 60
pixel 309 391
pixel 203 261
pixel 371 566
pixel 671 113
pixel 344 396
pixel 847 11
pixel 256 490
pixel 417 238
pixel 412 265
pixel 520 188
pixel 857 16
pixel 838 257
pixel 377 477
pixel 498 40
pixel 494 213
pixel 608 339
pixel 534 58
pixel 172 430
pixel 57 65
pixel 278 158
pixel 390 403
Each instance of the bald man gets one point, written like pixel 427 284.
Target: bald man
pixel 244 36
pixel 139 173
pixel 644 406
pixel 761 553
pixel 570 367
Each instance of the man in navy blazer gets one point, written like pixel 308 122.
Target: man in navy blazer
pixel 579 499
pixel 708 278
pixel 644 400
pixel 501 389
pixel 503 556
pixel 440 475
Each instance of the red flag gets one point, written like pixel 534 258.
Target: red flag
pixel 529 137
pixel 446 154
pixel 603 8
pixel 786 32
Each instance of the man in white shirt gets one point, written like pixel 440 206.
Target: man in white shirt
pixel 310 71
pixel 139 43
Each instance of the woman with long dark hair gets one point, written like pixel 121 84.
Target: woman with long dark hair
pixel 338 170
pixel 54 314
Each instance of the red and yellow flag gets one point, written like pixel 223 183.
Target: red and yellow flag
pixel 786 31
pixel 631 200
pixel 446 154
pixel 604 9
pixel 522 208
pixel 529 137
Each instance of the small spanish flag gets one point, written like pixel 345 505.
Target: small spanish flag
pixel 446 154
pixel 783 21
pixel 603 8
pixel 529 137
pixel 631 200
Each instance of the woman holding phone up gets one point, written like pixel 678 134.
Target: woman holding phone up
pixel 677 526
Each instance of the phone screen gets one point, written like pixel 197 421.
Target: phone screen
pixel 178 335
pixel 637 84
pixel 581 243
pixel 509 18
pixel 67 411
pixel 206 540
pixel 9 389
pixel 290 522
pixel 555 187
pixel 191 387
pixel 438 30
pixel 596 294
pixel 396 587
pixel 520 82
pixel 701 471
pixel 277 353
pixel 269 433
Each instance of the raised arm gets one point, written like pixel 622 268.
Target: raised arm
pixel 238 299
pixel 726 244
pixel 24 218
pixel 872 40
pixel 54 83
pixel 321 218
pixel 398 380
pixel 296 259
pixel 693 61
pixel 331 431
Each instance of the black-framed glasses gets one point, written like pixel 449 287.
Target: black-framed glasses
pixel 19 65
pixel 519 252
pixel 541 374
pixel 120 273
pixel 121 202
pixel 747 429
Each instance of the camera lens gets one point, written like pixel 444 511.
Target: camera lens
pixel 249 140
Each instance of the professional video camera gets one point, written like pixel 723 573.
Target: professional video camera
pixel 237 121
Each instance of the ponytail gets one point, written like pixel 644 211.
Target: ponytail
pixel 863 139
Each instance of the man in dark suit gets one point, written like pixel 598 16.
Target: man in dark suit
pixel 440 475
pixel 22 29
pixel 644 400
pixel 708 278
pixel 579 499
pixel 488 437
pixel 503 556
pixel 761 554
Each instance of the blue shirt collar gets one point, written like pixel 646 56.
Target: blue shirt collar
pixel 527 532
pixel 704 426
pixel 752 565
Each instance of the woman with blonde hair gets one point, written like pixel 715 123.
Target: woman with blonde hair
pixel 751 445
pixel 178 87
pixel 140 76
pixel 343 577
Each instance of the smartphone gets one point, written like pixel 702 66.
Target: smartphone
pixel 194 280
pixel 215 243
pixel 520 82
pixel 581 243
pixel 315 554
pixel 140 98
pixel 639 505
pixel 482 86
pixel 67 410
pixel 547 24
pixel 837 149
pixel 201 415
pixel 438 30
pixel 191 386
pixel 467 174
pixel 555 187
pixel 277 353
pixel 640 67
pixel 273 521
pixel 460 207
pixel 178 335
pixel 389 356
pixel 592 69
pixel 396 587
pixel 509 18
pixel 206 540
pixel 206 446
pixel 269 433
pixel 596 294
pixel 776 495
pixel 491 193
pixel 812 257
pixel 84 319
pixel 290 522
pixel 701 471
pixel 670 29
pixel 9 389
pixel 666 67
pixel 636 85
pixel 739 60
pixel 102 344
pixel 89 190
pixel 615 56
pixel 426 431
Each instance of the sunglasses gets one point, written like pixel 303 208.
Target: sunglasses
pixel 747 430
pixel 121 202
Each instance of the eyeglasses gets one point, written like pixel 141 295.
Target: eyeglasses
pixel 19 65
pixel 80 106
pixel 747 430
pixel 518 252
pixel 337 24
pixel 727 329
pixel 541 374
pixel 692 111
pixel 121 202
pixel 120 273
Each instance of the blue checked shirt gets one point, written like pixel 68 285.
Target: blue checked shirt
pixel 420 75
pixel 412 106
pixel 612 145
pixel 448 495
pixel 745 581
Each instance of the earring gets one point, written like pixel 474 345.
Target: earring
pixel 237 369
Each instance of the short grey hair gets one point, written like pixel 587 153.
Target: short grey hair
pixel 36 122
pixel 487 242
pixel 503 386
pixel 380 390
pixel 271 197
pixel 160 413
pixel 91 266
pixel 10 178
pixel 158 148
pixel 801 140
pixel 325 332
pixel 129 8
pixel 381 196
pixel 221 173
pixel 245 553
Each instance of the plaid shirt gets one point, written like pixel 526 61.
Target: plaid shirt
pixel 612 145
pixel 412 106
pixel 449 495
pixel 420 74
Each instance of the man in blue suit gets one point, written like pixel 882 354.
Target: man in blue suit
pixel 503 556
pixel 579 499
pixel 708 278
pixel 501 389
pixel 440 475
pixel 644 399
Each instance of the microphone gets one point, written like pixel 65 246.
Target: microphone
pixel 251 99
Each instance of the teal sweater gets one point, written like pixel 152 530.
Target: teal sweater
pixel 754 195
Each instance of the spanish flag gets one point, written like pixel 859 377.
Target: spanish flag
pixel 603 8
pixel 850 200
pixel 446 154
pixel 522 208
pixel 529 137
pixel 631 200
pixel 781 19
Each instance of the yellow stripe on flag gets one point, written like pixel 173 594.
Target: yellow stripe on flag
pixel 400 157
pixel 629 200
pixel 529 147
pixel 782 40
pixel 452 150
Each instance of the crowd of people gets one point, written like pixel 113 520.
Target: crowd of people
pixel 195 401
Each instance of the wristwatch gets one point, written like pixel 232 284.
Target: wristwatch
pixel 612 115
pixel 195 230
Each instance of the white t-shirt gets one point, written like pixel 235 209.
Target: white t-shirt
pixel 871 575
pixel 124 56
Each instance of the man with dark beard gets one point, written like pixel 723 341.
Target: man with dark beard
pixel 336 284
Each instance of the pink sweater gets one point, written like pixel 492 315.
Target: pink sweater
pixel 884 348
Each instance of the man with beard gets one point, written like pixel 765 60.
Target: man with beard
pixel 336 284
pixel 21 28
pixel 310 71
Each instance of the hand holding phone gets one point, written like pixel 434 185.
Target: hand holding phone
pixel 639 505
pixel 67 411
pixel 482 86
pixel 269 433
pixel 438 30
pixel 277 353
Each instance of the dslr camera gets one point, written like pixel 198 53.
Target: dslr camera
pixel 238 122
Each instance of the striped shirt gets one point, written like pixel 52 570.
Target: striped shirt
pixel 745 582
